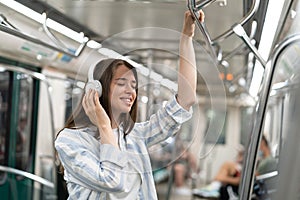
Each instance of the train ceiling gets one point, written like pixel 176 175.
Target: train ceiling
pixel 148 32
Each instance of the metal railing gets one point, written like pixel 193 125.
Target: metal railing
pixel 6 27
pixel 33 177
pixel 250 157
pixel 237 28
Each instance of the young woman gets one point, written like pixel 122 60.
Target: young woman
pixel 103 151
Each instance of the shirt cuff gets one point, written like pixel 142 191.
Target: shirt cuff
pixel 178 113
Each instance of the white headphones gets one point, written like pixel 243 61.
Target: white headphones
pixel 92 83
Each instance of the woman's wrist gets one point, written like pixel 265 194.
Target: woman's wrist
pixel 185 36
pixel 106 136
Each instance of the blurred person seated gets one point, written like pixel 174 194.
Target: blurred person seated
pixel 183 169
pixel 266 165
pixel 228 174
pixel 266 162
pixel 173 159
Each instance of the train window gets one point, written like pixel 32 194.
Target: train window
pixel 216 126
pixel 246 124
pixel 23 136
pixel 4 85
pixel 72 96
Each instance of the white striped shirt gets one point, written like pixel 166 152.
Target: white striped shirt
pixel 101 171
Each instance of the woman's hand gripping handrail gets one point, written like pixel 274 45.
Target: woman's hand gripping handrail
pixel 194 7
pixel 194 10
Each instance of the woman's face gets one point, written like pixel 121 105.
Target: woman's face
pixel 122 90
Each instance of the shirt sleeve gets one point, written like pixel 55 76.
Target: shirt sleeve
pixel 99 167
pixel 164 123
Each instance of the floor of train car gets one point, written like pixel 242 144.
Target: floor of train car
pixel 162 190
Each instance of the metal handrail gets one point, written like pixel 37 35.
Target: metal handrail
pixel 59 43
pixel 201 25
pixel 249 165
pixel 239 31
pixel 33 177
pixel 51 35
pixel 5 22
pixel 17 33
pixel 201 4
pixel 244 20
pixel 267 175
pixel 195 7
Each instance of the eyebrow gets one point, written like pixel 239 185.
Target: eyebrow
pixel 125 79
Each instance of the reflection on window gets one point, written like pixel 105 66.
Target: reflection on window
pixel 246 124
pixel 23 135
pixel 216 127
pixel 73 95
pixel 4 95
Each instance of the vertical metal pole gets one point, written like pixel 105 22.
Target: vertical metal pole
pixel 149 94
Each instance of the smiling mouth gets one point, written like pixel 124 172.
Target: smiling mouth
pixel 128 101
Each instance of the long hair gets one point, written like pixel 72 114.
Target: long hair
pixel 104 72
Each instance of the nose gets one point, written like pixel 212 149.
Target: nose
pixel 129 88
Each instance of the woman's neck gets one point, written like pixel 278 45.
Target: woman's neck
pixel 115 121
pixel 114 124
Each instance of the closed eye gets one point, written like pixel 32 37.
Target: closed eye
pixel 134 86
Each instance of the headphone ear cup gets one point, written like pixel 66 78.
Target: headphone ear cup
pixel 95 85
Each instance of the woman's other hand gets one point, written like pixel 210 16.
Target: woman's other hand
pixel 189 23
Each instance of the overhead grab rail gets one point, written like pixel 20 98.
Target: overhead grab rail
pixel 59 44
pixel 51 35
pixel 6 27
pixel 240 31
pixel 194 7
pixel 4 21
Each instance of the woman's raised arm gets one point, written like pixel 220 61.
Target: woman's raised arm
pixel 187 73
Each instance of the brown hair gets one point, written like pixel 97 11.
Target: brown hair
pixel 264 139
pixel 104 72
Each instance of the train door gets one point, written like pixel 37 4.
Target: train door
pixel 4 134
pixel 22 133
pixel 18 122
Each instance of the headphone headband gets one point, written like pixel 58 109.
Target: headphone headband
pixel 92 83
pixel 91 72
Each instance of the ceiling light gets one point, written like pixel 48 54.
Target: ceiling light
pixel 222 2
pixel 79 37
pixel 93 44
pixel 293 14
pixel 242 82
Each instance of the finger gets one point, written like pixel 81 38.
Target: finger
pixel 96 99
pixel 86 99
pixel 190 15
pixel 201 16
pixel 90 98
pixel 83 103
